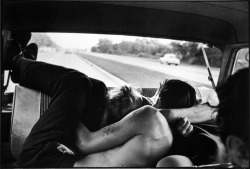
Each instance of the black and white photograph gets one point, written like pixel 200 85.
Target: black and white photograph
pixel 135 84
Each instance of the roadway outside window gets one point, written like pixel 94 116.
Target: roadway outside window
pixel 242 59
pixel 119 59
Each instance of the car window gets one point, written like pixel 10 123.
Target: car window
pixel 242 59
pixel 118 59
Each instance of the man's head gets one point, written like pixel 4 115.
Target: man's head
pixel 122 101
pixel 233 117
pixel 171 94
pixel 175 94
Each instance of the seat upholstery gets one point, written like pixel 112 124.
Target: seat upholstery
pixel 25 113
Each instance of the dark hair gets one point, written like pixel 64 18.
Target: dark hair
pixel 233 111
pixel 176 94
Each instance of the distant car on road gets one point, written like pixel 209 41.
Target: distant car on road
pixel 170 59
pixel 67 52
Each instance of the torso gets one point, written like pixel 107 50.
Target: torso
pixel 143 150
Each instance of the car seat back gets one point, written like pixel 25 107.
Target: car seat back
pixel 25 113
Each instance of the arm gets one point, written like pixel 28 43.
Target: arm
pixel 207 95
pixel 196 114
pixel 151 138
pixel 113 135
pixel 105 138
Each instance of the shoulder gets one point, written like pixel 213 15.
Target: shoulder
pixel 149 115
pixel 152 114
pixel 153 129
pixel 146 112
pixel 151 121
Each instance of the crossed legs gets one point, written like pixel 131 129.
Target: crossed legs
pixel 69 90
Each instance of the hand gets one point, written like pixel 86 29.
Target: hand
pixel 184 126
pixel 208 96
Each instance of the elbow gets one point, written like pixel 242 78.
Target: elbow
pixel 83 139
pixel 83 146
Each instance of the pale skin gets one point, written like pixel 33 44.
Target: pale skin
pixel 140 144
pixel 195 114
pixel 175 161
pixel 140 139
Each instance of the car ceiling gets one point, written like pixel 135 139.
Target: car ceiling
pixel 216 23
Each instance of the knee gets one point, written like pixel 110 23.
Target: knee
pixel 99 90
pixel 175 161
pixel 76 84
pixel 98 86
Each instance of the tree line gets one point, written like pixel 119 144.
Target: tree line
pixel 187 52
pixel 43 40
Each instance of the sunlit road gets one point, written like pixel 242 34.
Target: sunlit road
pixel 193 73
pixel 75 62
pixel 186 72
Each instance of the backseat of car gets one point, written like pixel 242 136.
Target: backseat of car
pixel 202 147
pixel 28 106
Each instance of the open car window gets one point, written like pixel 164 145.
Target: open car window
pixel 118 59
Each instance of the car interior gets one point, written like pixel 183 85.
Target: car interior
pixel 220 24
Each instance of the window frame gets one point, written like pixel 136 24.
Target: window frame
pixel 229 53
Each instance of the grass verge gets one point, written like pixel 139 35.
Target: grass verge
pixel 133 75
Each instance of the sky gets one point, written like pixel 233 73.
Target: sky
pixel 86 41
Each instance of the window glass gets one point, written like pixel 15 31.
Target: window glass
pixel 138 61
pixel 242 59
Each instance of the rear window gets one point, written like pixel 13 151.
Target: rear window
pixel 118 59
